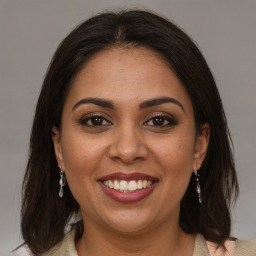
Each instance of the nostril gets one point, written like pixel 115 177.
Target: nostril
pixel 127 147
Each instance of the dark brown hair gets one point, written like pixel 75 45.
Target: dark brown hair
pixel 44 214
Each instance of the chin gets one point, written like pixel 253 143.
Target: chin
pixel 130 228
pixel 129 222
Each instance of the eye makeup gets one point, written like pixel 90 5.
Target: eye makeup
pixel 94 120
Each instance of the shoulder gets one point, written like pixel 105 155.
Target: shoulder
pixel 245 248
pixel 64 248
pixel 22 251
pixel 236 248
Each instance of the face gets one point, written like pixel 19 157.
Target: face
pixel 128 142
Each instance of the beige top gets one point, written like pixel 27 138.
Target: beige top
pixel 242 248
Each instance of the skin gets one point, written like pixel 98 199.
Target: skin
pixel 128 140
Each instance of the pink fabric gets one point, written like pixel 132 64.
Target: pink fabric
pixel 214 251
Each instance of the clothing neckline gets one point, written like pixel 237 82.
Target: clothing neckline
pixel 200 246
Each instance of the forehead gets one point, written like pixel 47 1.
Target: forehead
pixel 124 74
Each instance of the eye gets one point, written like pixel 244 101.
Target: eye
pixel 161 121
pixel 94 120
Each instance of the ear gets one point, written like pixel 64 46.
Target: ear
pixel 56 137
pixel 201 146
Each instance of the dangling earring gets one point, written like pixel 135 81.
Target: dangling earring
pixel 198 188
pixel 61 182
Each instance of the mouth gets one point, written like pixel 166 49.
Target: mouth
pixel 128 187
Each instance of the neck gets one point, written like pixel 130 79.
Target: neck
pixel 160 241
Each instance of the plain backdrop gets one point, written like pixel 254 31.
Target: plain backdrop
pixel 30 30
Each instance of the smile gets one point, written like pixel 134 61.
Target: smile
pixel 127 187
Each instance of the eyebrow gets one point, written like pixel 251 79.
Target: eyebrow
pixel 95 101
pixel 159 101
pixel 146 104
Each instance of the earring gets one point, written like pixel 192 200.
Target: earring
pixel 198 188
pixel 61 182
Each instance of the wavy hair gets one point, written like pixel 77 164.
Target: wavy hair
pixel 44 215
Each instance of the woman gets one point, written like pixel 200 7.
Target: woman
pixel 130 133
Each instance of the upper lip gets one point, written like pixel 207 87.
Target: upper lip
pixel 127 176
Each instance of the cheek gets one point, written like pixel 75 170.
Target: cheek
pixel 82 157
pixel 175 156
pixel 81 153
pixel 177 151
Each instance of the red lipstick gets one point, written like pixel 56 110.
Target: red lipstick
pixel 127 176
pixel 128 196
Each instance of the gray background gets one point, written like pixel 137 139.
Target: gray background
pixel 30 30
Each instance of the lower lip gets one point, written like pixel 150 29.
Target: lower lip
pixel 128 197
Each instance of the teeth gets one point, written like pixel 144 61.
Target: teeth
pixel 139 184
pixel 116 185
pixel 132 185
pixel 123 185
pixel 127 186
pixel 110 184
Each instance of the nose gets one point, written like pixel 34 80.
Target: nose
pixel 128 146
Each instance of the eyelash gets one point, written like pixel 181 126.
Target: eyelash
pixel 85 120
pixel 164 121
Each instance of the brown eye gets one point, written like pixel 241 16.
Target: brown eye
pixel 161 121
pixel 158 121
pixel 95 121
